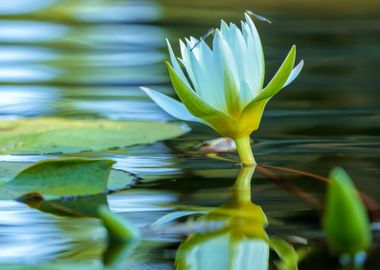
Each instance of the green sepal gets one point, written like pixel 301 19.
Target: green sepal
pixel 251 116
pixel 280 78
pixel 189 98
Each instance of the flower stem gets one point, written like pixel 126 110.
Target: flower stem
pixel 244 149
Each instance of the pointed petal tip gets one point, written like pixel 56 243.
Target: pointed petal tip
pixel 218 33
pixel 168 44
pixel 248 19
pixel 222 22
pixel 301 64
pixel 170 105
pixel 145 89
pixel 292 51
pixel 169 66
pixel 294 74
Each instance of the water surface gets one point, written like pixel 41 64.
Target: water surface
pixel 81 59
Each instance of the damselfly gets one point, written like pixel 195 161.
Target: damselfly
pixel 202 38
pixel 257 16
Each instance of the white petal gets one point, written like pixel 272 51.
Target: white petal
pixel 205 52
pixel 294 73
pixel 245 30
pixel 193 47
pixel 254 67
pixel 209 86
pixel 258 48
pixel 228 73
pixel 225 56
pixel 171 106
pixel 246 95
pixel 175 64
pixel 199 76
pixel 193 41
pixel 240 54
pixel 185 52
pixel 212 84
pixel 224 29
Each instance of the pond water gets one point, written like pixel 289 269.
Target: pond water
pixel 87 59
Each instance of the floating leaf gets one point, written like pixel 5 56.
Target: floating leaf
pixel 60 177
pixel 54 178
pixel 120 180
pixel 56 135
pixel 9 169
pixel 346 221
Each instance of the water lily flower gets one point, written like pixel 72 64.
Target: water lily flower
pixel 222 86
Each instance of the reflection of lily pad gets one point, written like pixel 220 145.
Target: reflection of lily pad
pixel 82 206
pixel 123 237
pixel 119 229
pixel 55 178
pixel 53 135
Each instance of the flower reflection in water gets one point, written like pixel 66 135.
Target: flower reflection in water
pixel 234 237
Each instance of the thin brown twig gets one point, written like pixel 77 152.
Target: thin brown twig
pixel 371 204
pixel 280 181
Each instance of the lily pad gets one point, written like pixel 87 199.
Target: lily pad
pixel 54 178
pixel 57 135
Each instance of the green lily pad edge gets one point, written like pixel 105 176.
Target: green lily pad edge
pixel 62 177
pixel 49 135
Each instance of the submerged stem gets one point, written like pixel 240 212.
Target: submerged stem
pixel 244 149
